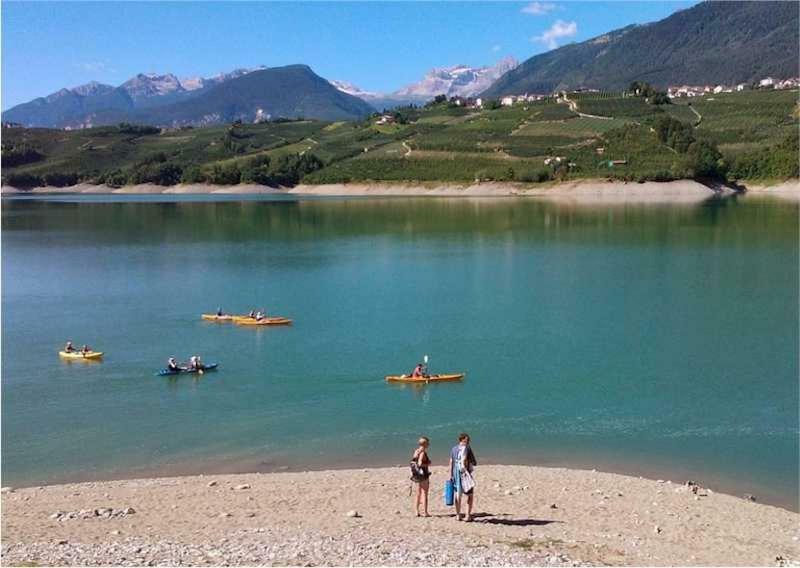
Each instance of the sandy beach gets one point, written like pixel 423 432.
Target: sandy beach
pixel 524 515
pixel 577 192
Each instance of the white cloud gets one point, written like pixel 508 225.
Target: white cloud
pixel 538 8
pixel 496 48
pixel 560 29
pixel 91 66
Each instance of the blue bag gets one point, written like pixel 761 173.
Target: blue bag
pixel 448 492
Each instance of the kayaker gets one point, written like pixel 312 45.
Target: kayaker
pixel 86 349
pixel 252 314
pixel 68 347
pixel 259 315
pixel 219 312
pixel 172 365
pixel 419 371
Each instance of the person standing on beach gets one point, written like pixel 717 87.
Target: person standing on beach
pixel 462 462
pixel 420 474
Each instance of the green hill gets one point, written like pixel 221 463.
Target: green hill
pixel 747 135
pixel 710 43
pixel 291 91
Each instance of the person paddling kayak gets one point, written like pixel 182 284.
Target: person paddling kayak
pixel 172 365
pixel 195 364
pixel 86 349
pixel 69 348
pixel 419 371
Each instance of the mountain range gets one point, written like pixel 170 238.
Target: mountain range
pixel 164 100
pixel 710 43
pixel 457 80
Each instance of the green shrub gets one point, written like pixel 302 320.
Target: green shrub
pixel 60 180
pixel 22 180
pixel 224 175
pixel 16 155
pixel 193 174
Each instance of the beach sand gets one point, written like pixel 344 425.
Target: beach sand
pixel 525 515
pixel 579 192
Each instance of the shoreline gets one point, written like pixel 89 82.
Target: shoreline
pixel 579 192
pixel 729 485
pixel 524 515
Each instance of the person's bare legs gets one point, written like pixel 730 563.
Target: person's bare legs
pixel 418 498
pixel 424 486
pixel 469 507
pixel 457 500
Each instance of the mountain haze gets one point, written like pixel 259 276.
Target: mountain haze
pixel 710 43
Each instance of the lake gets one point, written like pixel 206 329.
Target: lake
pixel 652 340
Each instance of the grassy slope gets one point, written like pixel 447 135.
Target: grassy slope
pixel 442 144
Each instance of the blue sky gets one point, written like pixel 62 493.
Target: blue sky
pixel 379 46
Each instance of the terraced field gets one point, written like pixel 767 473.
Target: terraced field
pixel 439 143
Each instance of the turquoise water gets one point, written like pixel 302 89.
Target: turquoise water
pixel 655 340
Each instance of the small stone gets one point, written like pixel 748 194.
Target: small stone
pixel 223 515
pixel 128 511
pixel 657 529
pixel 250 515
pixel 508 492
pixel 242 487
pixel 516 488
pixel 57 515
pixel 659 481
pixel 63 542
pixel 749 497
pixel 553 506
pixel 353 514
pixel 116 533
pixel 212 483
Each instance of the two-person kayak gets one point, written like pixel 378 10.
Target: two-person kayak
pixel 82 355
pixel 183 370
pixel 247 319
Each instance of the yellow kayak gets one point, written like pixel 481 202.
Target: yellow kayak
pixel 262 321
pixel 215 317
pixel 80 354
pixel 425 380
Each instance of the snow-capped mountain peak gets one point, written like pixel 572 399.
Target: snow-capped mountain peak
pixel 352 89
pixel 461 80
pixel 145 85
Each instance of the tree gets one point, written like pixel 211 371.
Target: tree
pixel 705 161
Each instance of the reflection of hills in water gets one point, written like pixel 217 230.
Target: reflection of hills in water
pixel 181 221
